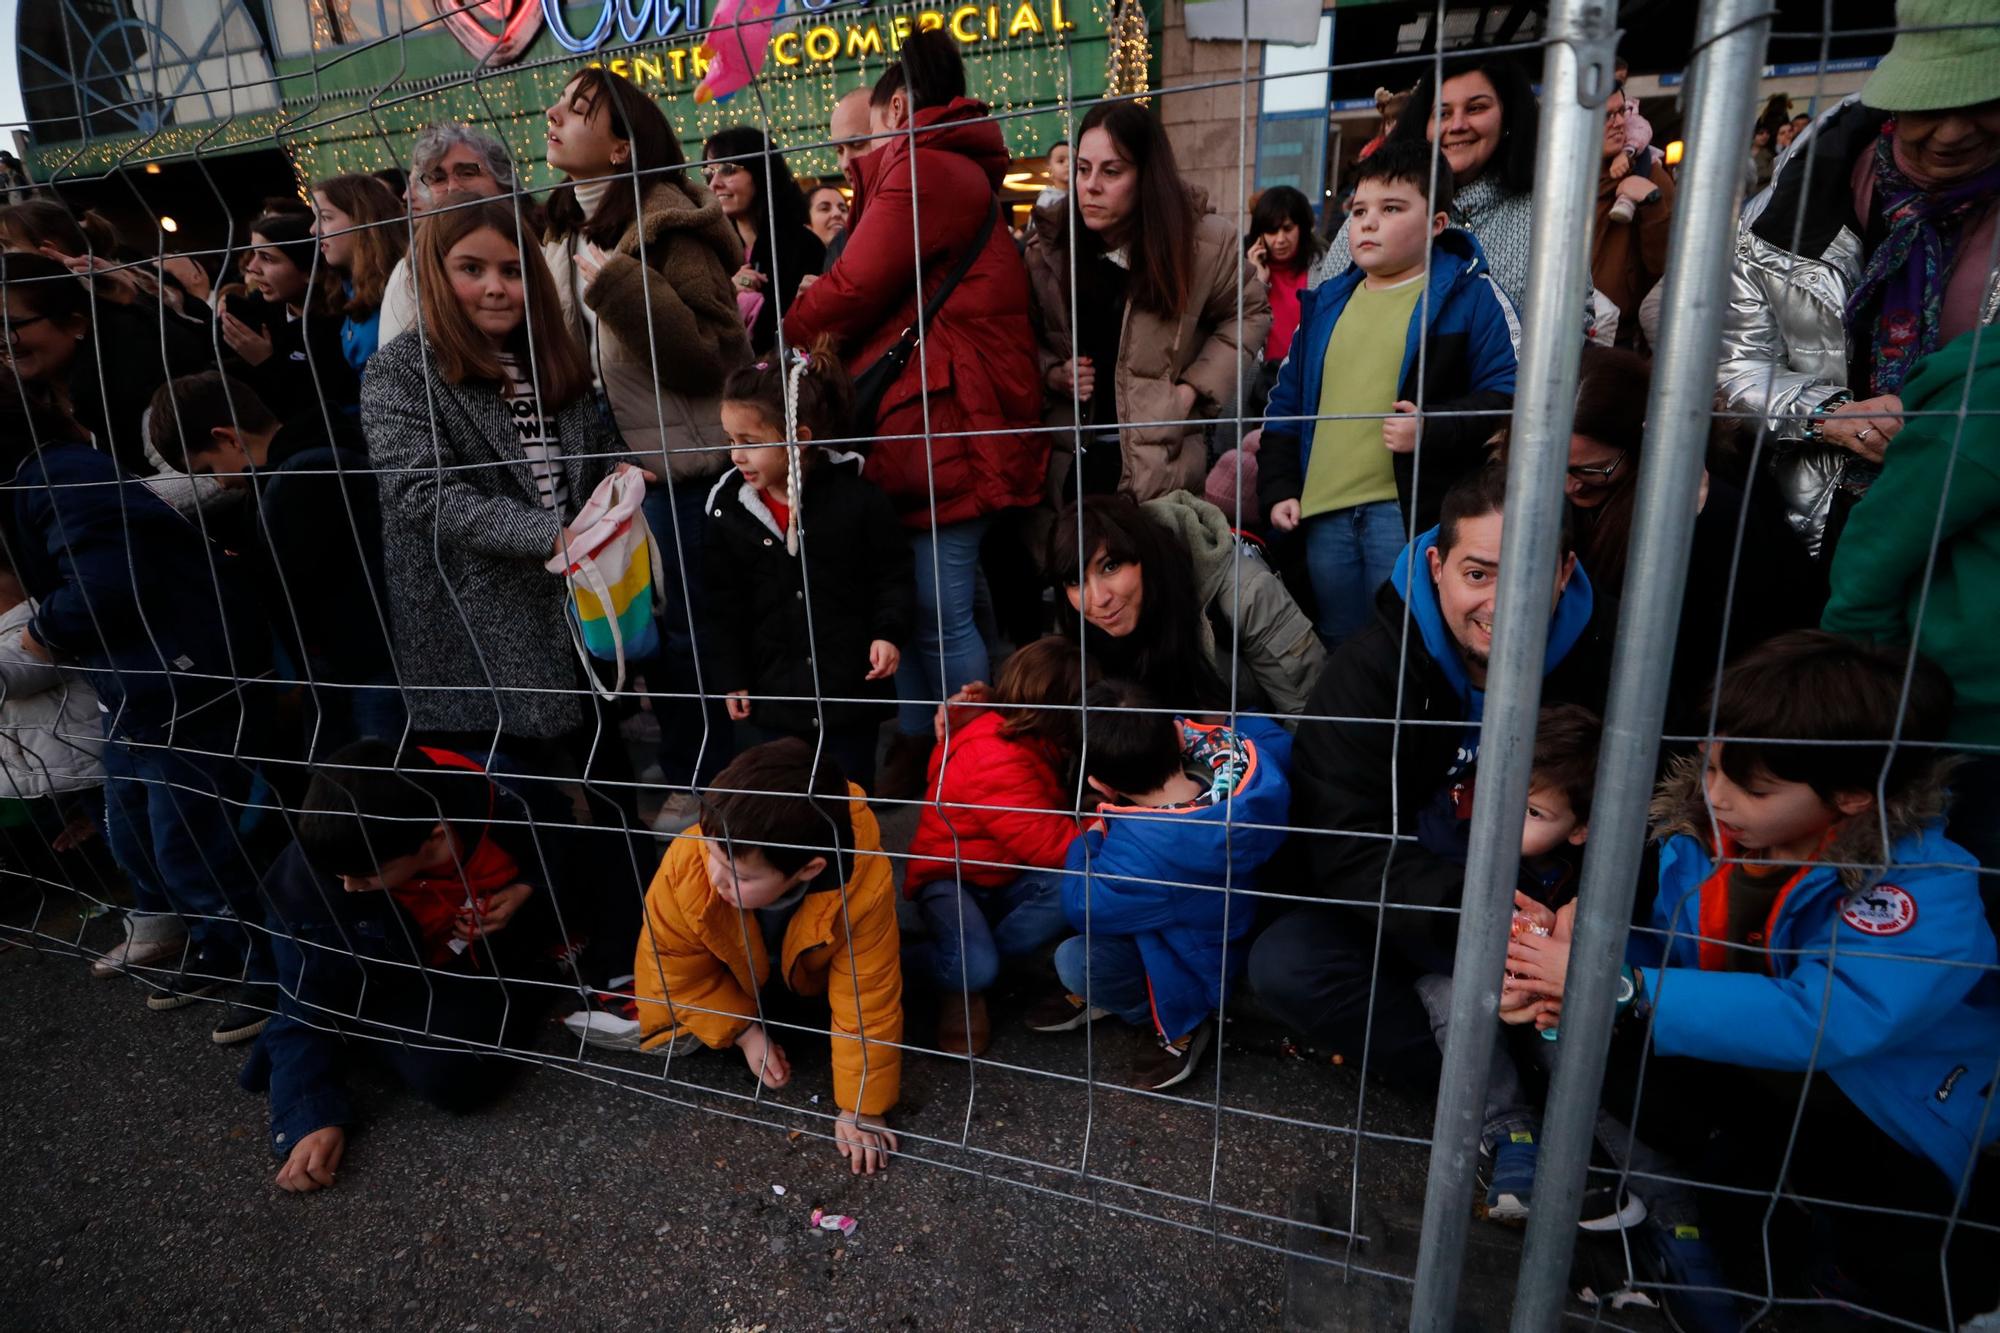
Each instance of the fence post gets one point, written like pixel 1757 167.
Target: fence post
pixel 1729 46
pixel 1576 80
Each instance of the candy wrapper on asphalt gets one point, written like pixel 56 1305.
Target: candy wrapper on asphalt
pixel 826 1221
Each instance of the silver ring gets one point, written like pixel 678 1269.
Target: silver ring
pixel 1866 431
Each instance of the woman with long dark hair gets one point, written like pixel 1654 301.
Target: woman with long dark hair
pixel 1482 116
pixel 953 434
pixel 1168 325
pixel 761 199
pixel 1283 249
pixel 1165 594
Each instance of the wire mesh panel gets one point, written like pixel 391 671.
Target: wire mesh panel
pixel 1054 596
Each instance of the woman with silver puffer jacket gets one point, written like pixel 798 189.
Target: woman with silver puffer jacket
pixel 1872 247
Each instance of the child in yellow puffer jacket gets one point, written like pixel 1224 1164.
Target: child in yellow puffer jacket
pixel 749 881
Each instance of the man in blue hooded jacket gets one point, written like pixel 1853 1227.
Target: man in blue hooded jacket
pixel 1188 813
pixel 1391 724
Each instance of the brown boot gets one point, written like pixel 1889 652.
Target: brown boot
pixel 905 767
pixel 963 1028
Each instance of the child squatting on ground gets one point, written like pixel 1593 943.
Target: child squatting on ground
pixel 1188 813
pixel 986 861
pixel 786 864
pixel 1818 993
pixel 1552 836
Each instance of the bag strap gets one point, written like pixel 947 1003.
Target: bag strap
pixel 958 271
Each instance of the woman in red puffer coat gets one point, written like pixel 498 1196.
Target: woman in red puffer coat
pixel 955 435
pixel 987 856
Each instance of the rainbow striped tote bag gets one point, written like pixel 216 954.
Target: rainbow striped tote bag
pixel 612 566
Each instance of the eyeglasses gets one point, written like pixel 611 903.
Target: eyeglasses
pixel 1598 476
pixel 721 169
pixel 466 172
pixel 14 324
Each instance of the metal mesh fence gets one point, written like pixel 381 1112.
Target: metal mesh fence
pixel 461 558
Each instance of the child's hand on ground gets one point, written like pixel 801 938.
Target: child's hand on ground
pixel 765 1057
pixel 952 712
pixel 1399 433
pixel 494 914
pixel 865 1141
pixel 314 1160
pixel 1539 964
pixel 1285 515
pixel 738 703
pixel 883 659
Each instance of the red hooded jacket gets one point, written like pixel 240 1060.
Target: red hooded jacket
pixel 983 768
pixel 977 367
pixel 484 868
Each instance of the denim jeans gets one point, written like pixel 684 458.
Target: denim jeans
pixel 1116 977
pixel 971 929
pixel 170 821
pixel 1349 553
pixel 933 669
pixel 694 733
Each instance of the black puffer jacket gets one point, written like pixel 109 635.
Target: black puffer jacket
pixel 854 554
pixel 1342 788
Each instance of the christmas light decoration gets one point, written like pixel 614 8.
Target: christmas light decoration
pixel 1125 64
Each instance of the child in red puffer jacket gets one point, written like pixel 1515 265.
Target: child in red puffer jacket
pixel 989 848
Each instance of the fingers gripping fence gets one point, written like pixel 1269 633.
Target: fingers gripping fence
pixel 1189 886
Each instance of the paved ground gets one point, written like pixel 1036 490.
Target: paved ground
pixel 603 1195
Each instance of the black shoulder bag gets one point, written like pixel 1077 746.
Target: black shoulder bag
pixel 873 384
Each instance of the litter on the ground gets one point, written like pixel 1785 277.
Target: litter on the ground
pixel 826 1221
pixel 778 1190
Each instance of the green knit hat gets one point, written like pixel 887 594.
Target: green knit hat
pixel 1938 70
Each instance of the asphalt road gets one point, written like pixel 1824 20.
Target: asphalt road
pixel 603 1193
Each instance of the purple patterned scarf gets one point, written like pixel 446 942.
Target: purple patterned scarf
pixel 1902 288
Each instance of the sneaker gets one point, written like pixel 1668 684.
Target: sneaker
pixel 1611 1209
pixel 1511 1180
pixel 1063 1013
pixel 1678 1268
pixel 182 989
pixel 608 1019
pixel 149 941
pixel 244 1017
pixel 1171 1062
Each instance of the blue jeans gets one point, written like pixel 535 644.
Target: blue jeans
pixel 1349 553
pixel 971 929
pixel 935 668
pixel 1116 979
pixel 170 821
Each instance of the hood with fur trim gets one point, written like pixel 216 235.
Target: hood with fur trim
pixel 1681 807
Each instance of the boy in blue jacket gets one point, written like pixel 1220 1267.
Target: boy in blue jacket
pixel 1190 812
pixel 1343 455
pixel 1818 952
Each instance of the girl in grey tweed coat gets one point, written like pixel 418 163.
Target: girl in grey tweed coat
pixel 481 627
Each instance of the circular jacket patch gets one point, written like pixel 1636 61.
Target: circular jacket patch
pixel 1882 910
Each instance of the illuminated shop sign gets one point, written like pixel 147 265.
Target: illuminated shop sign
pixel 647 20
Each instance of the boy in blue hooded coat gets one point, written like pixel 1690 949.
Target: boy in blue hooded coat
pixel 1190 811
pixel 1342 458
pixel 1819 963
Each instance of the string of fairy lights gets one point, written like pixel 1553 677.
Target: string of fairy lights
pixel 330 130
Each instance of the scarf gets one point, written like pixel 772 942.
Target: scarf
pixel 1902 287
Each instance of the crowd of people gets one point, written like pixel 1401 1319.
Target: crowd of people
pixel 1153 564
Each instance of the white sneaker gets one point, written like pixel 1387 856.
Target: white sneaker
pixel 150 939
pixel 677 814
